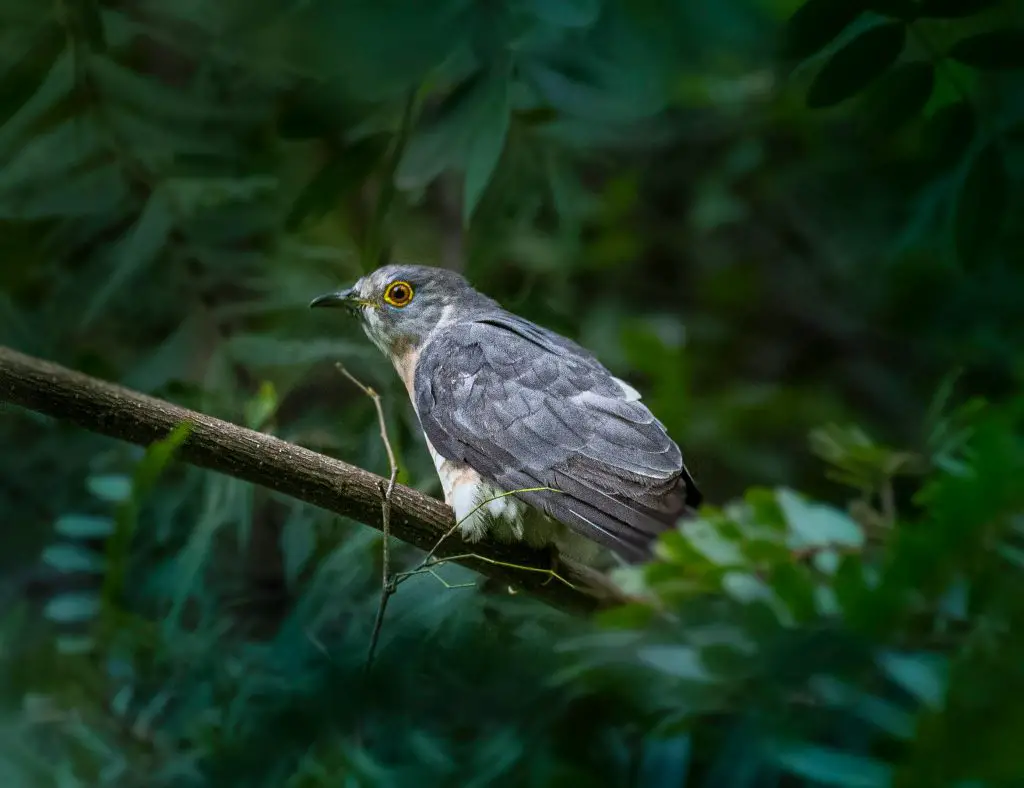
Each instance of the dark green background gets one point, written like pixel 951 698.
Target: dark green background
pixel 768 228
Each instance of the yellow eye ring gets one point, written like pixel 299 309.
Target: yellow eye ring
pixel 399 293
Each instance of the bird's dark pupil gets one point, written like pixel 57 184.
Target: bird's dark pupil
pixel 398 292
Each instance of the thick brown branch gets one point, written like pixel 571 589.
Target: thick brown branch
pixel 344 489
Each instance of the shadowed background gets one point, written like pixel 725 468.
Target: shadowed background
pixel 765 229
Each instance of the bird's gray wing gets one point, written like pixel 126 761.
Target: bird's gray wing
pixel 525 407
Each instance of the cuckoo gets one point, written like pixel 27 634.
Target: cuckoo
pixel 507 406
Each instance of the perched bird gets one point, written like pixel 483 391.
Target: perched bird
pixel 506 405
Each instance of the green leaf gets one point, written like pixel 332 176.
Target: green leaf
pixel 948 134
pixel 55 87
pixel 953 9
pixel 314 112
pixel 100 193
pixel 816 23
pixel 137 250
pixel 857 64
pixel 261 350
pixel 632 615
pixel 156 459
pixel 793 586
pixel 710 542
pixel 71 608
pixel 981 205
pixel 74 644
pixel 817 525
pixel 681 662
pixel 486 143
pixel 341 176
pixel 298 543
pixel 21 79
pixel 907 10
pixel 114 488
pixel 261 407
pixel 832 767
pixel 156 100
pixel 664 763
pixel 566 13
pixel 924 676
pixel 872 709
pixel 72 558
pixel 900 96
pixel 995 50
pixel 441 140
pixel 83 526
pixel 47 158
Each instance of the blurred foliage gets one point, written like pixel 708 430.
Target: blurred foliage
pixel 777 219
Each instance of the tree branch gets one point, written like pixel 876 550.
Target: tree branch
pixel 287 468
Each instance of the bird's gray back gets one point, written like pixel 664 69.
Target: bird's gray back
pixel 526 407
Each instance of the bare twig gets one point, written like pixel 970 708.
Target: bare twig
pixel 428 563
pixel 284 467
pixel 387 585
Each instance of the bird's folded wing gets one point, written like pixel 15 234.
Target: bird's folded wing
pixel 527 408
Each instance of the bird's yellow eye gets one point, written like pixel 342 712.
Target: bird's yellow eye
pixel 398 293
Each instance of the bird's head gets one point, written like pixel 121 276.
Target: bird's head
pixel 399 305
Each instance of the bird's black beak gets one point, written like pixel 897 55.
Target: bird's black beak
pixel 347 299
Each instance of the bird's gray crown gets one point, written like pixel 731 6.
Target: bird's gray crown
pixel 400 304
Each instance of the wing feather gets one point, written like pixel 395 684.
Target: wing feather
pixel 525 407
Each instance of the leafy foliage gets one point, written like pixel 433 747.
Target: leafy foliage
pixel 768 250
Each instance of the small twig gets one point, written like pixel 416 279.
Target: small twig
pixel 427 567
pixel 426 562
pixel 387 584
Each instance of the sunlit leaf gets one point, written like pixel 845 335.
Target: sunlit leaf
pixel 157 457
pixel 832 767
pixel 814 524
pixel 72 558
pixel 73 607
pixel 114 488
pixel 664 763
pixel 922 675
pixel 711 543
pixel 995 50
pixel 261 407
pixel 681 662
pixel 83 526
pixel 857 64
